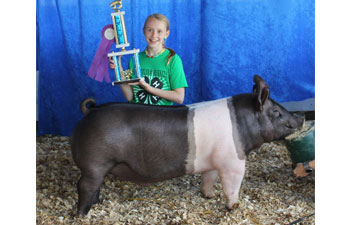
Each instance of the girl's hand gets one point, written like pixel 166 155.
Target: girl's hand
pixel 142 84
pixel 111 63
pixel 299 171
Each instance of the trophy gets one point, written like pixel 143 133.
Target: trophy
pixel 115 33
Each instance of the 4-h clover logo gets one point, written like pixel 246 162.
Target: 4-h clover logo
pixel 144 96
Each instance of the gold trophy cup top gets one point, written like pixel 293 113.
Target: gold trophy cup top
pixel 116 5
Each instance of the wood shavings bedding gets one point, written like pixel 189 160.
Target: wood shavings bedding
pixel 270 194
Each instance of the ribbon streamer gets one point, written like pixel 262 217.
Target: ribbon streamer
pixel 99 66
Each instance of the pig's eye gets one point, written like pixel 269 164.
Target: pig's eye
pixel 276 112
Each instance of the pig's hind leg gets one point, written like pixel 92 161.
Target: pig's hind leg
pixel 96 197
pixel 89 186
pixel 208 181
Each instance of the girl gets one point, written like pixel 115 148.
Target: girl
pixel 164 80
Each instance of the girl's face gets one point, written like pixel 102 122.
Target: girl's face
pixel 155 32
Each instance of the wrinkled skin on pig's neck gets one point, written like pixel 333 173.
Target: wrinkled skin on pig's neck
pixel 257 127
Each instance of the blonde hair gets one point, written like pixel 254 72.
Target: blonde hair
pixel 164 19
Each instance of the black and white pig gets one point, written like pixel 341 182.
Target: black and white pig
pixel 146 144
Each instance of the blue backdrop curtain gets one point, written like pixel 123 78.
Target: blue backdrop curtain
pixel 222 43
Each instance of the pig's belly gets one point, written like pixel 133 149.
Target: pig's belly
pixel 123 172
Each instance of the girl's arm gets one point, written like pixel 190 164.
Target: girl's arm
pixel 127 91
pixel 177 95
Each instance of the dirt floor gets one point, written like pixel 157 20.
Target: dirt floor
pixel 270 194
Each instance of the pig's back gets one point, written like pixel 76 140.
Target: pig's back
pixel 152 140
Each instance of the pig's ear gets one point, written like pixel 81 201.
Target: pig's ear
pixel 262 91
pixel 261 98
pixel 259 84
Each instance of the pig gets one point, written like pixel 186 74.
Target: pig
pixel 146 144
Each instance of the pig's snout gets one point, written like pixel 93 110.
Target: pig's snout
pixel 298 120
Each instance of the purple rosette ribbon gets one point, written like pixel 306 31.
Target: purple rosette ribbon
pixel 99 66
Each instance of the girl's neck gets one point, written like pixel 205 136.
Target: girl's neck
pixel 155 51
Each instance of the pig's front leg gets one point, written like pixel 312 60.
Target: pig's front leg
pixel 208 181
pixel 231 179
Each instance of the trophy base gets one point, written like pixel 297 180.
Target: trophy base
pixel 125 81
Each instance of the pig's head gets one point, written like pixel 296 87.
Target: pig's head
pixel 261 119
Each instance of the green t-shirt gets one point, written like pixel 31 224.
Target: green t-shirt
pixel 159 75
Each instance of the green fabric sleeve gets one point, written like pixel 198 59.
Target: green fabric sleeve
pixel 177 73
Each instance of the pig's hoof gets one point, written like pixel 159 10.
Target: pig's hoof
pixel 208 196
pixel 96 201
pixel 80 214
pixel 234 206
pixel 83 212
